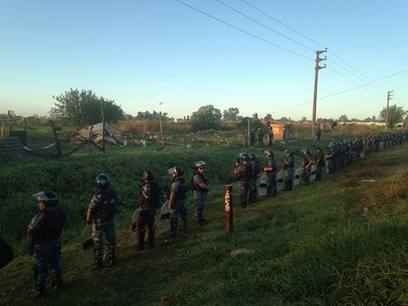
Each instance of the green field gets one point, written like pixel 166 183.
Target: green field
pixel 313 246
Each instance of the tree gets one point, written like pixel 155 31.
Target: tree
pixel 84 107
pixel 395 114
pixel 146 115
pixel 268 117
pixel 231 114
pixel 343 118
pixel 207 117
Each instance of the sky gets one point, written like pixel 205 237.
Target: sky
pixel 143 52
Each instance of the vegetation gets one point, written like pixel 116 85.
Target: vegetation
pixel 84 107
pixel 206 118
pixel 340 241
pixel 395 114
pixel 231 114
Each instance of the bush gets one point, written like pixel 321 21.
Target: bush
pixel 206 118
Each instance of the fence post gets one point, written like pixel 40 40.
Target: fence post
pixel 228 209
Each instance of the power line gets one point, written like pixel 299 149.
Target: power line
pixel 365 84
pixel 243 31
pixel 281 23
pixel 348 79
pixel 344 91
pixel 264 25
pixel 350 70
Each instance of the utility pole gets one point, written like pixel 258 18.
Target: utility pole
pixel 316 80
pixel 389 97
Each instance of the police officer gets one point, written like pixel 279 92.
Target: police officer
pixel 150 193
pixel 319 162
pixel 331 158
pixel 200 184
pixel 270 133
pixel 242 172
pixel 252 136
pixel 260 136
pixel 307 165
pixel 176 200
pixel 253 187
pixel 289 167
pixel 101 215
pixel 45 231
pixel 270 170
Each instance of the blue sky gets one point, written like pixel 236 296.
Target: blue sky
pixel 142 52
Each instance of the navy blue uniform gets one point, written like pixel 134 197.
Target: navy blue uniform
pixel 199 194
pixel 179 210
pixel 243 173
pixel 149 203
pixel 46 228
pixel 103 210
pixel 270 170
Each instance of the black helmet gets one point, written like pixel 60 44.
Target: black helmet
pixel 49 198
pixel 176 171
pixel 252 156
pixel 147 176
pixel 269 154
pixel 102 181
pixel 244 156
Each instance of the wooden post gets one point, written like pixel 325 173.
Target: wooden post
pixel 54 131
pixel 228 209
pixel 9 122
pixel 161 128
pixel 249 132
pixel 103 127
pixel 2 129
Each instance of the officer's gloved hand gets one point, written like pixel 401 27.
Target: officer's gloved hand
pixel 172 211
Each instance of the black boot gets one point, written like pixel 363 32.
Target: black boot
pixel 40 291
pixel 97 265
pixel 57 283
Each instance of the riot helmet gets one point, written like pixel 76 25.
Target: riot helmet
pixel 269 154
pixel 49 198
pixel 199 164
pixel 147 176
pixel 176 171
pixel 102 181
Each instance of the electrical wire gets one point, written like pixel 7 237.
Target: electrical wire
pixel 243 31
pixel 344 90
pixel 264 25
pixel 350 70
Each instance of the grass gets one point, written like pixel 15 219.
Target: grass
pixel 313 246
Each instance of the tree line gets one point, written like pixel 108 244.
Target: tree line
pixel 85 108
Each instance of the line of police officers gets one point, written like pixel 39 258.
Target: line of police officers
pixel 46 226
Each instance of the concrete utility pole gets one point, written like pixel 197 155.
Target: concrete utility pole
pixel 389 97
pixel 316 80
